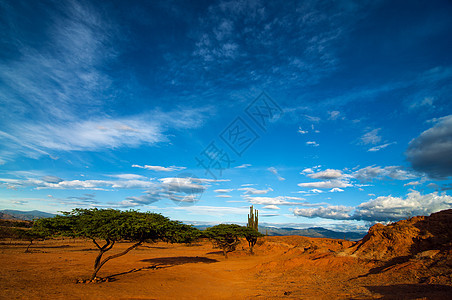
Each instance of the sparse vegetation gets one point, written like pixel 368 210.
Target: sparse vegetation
pixel 226 236
pixel 111 226
pixel 253 224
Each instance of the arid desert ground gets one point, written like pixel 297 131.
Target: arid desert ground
pixel 291 267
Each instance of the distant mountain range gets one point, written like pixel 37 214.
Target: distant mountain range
pixel 319 232
pixel 23 215
pixel 316 232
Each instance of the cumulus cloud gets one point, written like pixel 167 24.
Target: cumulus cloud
pixel 274 171
pixel 328 184
pixel 431 151
pixel 327 174
pixel 159 168
pixel 388 208
pixel 330 212
pixel 336 190
pixel 383 208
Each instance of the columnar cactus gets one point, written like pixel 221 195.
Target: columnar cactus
pixel 253 221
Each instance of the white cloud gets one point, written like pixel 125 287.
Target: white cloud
pixel 128 176
pixel 253 191
pixel 223 196
pixel 378 148
pixel 312 143
pixel 96 134
pixel 330 212
pixel 312 118
pixel 328 184
pixel 223 190
pixel 334 114
pixel 383 208
pixel 301 131
pixel 336 190
pixel 280 200
pixel 327 174
pixel 388 208
pixel 243 166
pixel 271 207
pixel 371 137
pixel 77 184
pixel 183 184
pixel 294 198
pixel 316 191
pixel 159 168
pixel 307 171
pixel 274 171
pixel 371 172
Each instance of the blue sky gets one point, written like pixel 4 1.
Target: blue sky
pixel 334 114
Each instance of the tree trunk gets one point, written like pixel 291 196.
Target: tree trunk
pixel 98 265
pixel 27 251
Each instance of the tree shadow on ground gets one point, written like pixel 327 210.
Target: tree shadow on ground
pixel 178 260
pixel 412 291
pixel 165 262
pixel 216 252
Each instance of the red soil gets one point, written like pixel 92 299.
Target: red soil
pixel 406 260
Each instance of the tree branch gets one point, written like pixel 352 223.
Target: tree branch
pixel 94 241
pixel 98 266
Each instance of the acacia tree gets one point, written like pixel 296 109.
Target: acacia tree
pixel 226 236
pixel 29 235
pixel 251 235
pixel 110 226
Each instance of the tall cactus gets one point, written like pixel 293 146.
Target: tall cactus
pixel 253 221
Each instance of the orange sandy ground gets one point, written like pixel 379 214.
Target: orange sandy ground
pixel 282 267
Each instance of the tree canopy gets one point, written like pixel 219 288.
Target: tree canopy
pixel 226 236
pixel 112 225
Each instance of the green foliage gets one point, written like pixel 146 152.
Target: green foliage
pixel 251 235
pixel 113 225
pixel 226 236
